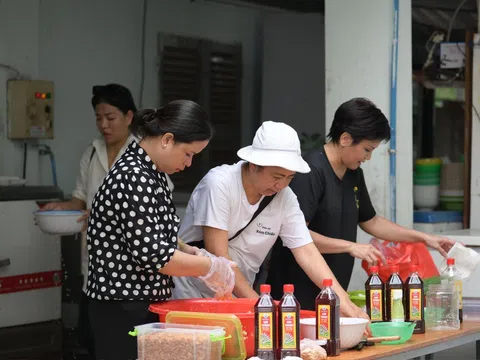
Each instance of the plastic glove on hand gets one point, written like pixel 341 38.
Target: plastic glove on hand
pixel 221 277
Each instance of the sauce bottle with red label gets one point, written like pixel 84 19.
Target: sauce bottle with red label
pixel 395 311
pixel 289 323
pixel 265 325
pixel 327 306
pixel 375 296
pixel 415 300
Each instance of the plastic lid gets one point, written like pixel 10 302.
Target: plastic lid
pixel 327 282
pixel 413 268
pixel 395 268
pixel 374 269
pixel 265 288
pixel 288 288
pixel 450 261
pixel 235 348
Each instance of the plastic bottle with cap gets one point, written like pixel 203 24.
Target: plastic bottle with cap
pixel 327 307
pixel 265 325
pixel 395 311
pixel 289 323
pixel 454 276
pixel 375 299
pixel 415 300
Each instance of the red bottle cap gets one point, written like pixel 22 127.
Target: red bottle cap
pixel 413 268
pixel 327 282
pixel 450 261
pixel 395 268
pixel 288 288
pixel 265 288
pixel 374 269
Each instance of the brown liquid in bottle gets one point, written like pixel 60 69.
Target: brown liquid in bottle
pixel 394 297
pixel 265 325
pixel 375 296
pixel 289 323
pixel 327 306
pixel 414 300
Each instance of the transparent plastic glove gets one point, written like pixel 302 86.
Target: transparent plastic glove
pixel 203 252
pixel 221 277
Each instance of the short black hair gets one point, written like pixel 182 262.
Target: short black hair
pixel 360 118
pixel 115 95
pixel 185 119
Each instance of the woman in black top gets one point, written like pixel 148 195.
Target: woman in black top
pixel 335 200
pixel 132 231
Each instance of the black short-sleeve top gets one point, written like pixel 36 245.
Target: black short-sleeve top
pixel 132 232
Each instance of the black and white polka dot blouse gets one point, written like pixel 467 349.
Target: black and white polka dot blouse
pixel 132 232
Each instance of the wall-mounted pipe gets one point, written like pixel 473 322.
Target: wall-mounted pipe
pixel 393 115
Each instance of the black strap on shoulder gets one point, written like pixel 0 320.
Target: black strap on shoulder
pixel 93 153
pixel 263 204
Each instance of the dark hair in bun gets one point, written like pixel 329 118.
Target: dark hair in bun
pixel 185 119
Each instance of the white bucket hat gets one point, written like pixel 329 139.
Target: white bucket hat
pixel 275 144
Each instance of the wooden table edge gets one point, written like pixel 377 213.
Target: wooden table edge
pixel 417 342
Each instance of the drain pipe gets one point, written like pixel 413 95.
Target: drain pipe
pixel 393 115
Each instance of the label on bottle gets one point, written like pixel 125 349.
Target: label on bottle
pixel 396 305
pixel 416 304
pixel 324 316
pixel 289 330
pixel 376 305
pixel 265 331
pixel 459 287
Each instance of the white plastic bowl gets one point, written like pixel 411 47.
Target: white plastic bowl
pixel 351 330
pixel 426 196
pixel 59 222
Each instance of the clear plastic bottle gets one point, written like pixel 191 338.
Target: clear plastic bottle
pixel 265 325
pixel 415 300
pixel 289 321
pixel 455 277
pixel 375 299
pixel 327 306
pixel 394 297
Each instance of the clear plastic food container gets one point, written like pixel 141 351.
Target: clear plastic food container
pixel 159 341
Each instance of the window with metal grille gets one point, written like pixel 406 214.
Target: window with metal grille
pixel 209 73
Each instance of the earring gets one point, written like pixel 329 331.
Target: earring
pixel 164 146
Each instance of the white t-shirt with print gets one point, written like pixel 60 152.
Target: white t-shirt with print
pixel 219 201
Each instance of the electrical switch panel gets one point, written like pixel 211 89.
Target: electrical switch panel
pixel 30 109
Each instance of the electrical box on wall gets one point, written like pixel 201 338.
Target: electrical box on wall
pixel 30 109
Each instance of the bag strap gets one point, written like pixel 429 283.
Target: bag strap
pixel 263 204
pixel 92 153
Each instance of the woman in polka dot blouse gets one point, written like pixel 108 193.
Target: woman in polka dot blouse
pixel 132 230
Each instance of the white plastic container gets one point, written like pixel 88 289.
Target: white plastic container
pixel 426 196
pixel 59 222
pixel 351 330
pixel 160 341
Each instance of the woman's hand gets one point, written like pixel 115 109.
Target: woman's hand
pixel 59 205
pixel 366 252
pixel 221 277
pixel 349 309
pixel 84 218
pixel 441 244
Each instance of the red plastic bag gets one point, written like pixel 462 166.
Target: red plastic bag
pixel 403 255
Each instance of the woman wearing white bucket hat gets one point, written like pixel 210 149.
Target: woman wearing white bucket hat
pixel 240 210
